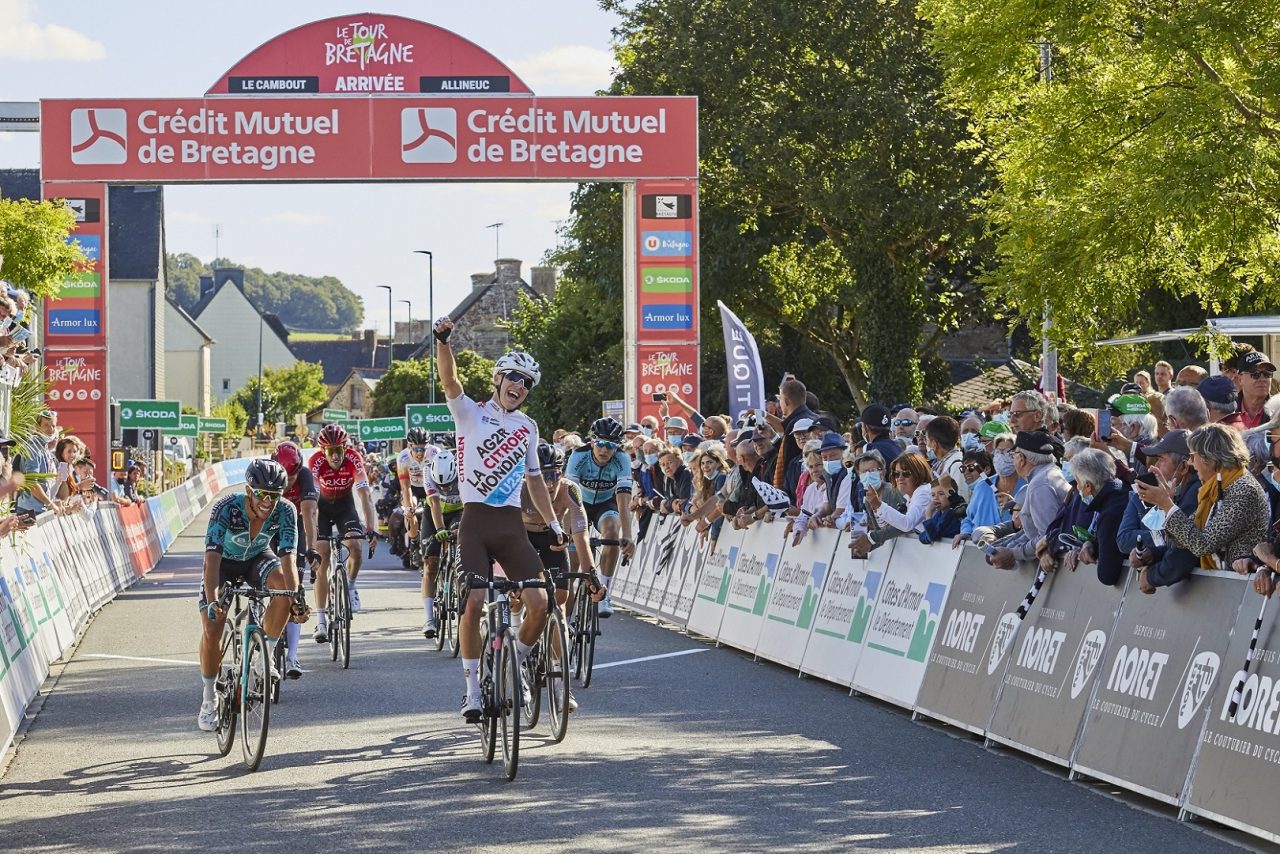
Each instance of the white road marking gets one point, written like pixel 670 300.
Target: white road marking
pixel 136 658
pixel 650 658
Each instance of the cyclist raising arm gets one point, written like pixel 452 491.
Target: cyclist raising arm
pixel 339 474
pixel 603 473
pixel 497 453
pixel 237 548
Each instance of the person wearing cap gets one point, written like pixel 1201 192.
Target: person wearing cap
pixel 674 429
pixel 1045 493
pixel 1159 562
pixel 1223 398
pixel 876 428
pixel 802 431
pixel 689 446
pixel 992 430
pixel 35 457
pixel 838 481
pixel 1256 372
pixel 1133 425
pixel 631 431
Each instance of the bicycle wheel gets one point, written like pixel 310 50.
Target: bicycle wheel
pixel 591 631
pixel 557 675
pixel 489 712
pixel 226 690
pixel 277 656
pixel 255 699
pixel 532 670
pixel 335 612
pixel 576 620
pixel 340 626
pixel 509 713
pixel 442 613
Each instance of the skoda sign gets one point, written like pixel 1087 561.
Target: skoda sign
pixel 163 414
pixel 432 417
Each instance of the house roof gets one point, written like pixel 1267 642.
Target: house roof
pixel 340 358
pixel 203 302
pixel 272 321
pixel 974 386
pixel 182 312
pixel 368 376
pixel 477 292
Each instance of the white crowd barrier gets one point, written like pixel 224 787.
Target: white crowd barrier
pixel 57 574
pixel 1108 682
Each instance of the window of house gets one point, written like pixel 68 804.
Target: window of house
pixel 226 384
pixel 355 397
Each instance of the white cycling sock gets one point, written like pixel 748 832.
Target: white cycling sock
pixel 323 617
pixel 207 682
pixel 292 631
pixel 471 670
pixel 605 579
pixel 523 650
pixel 429 607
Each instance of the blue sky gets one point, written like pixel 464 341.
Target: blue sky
pixel 364 234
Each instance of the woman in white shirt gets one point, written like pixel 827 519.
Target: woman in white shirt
pixel 941 440
pixel 911 476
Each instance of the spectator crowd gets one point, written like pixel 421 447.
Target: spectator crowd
pixel 1175 472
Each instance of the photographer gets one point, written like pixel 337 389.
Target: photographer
pixel 1158 561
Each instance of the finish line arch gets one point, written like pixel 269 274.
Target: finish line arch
pixel 378 98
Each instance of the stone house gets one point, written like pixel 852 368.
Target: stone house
pixel 482 316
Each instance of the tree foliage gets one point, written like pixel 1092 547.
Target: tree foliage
pixel 320 304
pixel 286 392
pixel 409 381
pixel 835 185
pixel 1145 174
pixel 33 244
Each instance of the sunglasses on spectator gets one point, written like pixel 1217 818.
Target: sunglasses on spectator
pixel 903 422
pixel 265 495
pixel 516 377
pixel 1258 375
pixel 1014 413
pixel 900 475
pixel 971 467
pixel 605 445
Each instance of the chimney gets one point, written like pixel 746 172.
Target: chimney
pixel 206 286
pixel 544 281
pixel 370 339
pixel 235 274
pixel 479 280
pixel 508 270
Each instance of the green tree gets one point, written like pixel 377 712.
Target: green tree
pixel 285 392
pixel 834 181
pixel 1144 174
pixel 33 245
pixel 409 381
pixel 237 418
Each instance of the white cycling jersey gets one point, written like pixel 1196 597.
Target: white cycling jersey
pixel 496 449
pixel 406 464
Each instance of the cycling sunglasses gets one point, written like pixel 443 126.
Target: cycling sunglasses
pixel 516 377
pixel 265 495
pixel 551 476
pixel 606 445
pixel 418 449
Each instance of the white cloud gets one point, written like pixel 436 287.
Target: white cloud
pixel 23 38
pixel 568 70
pixel 297 218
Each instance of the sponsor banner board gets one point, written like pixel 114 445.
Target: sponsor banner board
pixel 76 318
pixel 1053 665
pixel 1239 756
pixel 752 580
pixel 376 429
pixel 905 621
pixel 667 368
pixel 334 415
pixel 213 425
pixel 713 582
pixel 979 627
pixel 502 137
pixel 794 596
pixel 188 426
pixel 686 563
pixel 77 390
pixel 162 414
pixel 1164 661
pixel 432 417
pixel 645 574
pixel 844 612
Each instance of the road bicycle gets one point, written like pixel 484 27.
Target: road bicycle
pixel 278 655
pixel 584 620
pixel 245 679
pixel 338 610
pixel 500 687
pixel 450 594
pixel 548 666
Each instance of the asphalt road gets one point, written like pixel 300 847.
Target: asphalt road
pixel 708 751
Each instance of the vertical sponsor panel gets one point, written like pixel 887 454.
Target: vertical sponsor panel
pixel 626 577
pixel 1238 761
pixel 686 561
pixel 793 600
pixel 979 627
pixel 1147 714
pixel 844 612
pixel 753 578
pixel 713 583
pixel 75 323
pixel 1053 666
pixel 643 577
pixel 905 621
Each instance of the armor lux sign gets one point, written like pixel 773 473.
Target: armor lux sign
pixel 1146 717
pixel 368 138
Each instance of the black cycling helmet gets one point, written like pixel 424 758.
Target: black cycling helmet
pixel 550 457
pixel 417 436
pixel 607 429
pixel 266 474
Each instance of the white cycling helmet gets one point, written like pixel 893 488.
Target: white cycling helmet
pixel 521 363
pixel 444 468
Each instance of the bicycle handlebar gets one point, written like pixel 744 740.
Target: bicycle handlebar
pixel 505 585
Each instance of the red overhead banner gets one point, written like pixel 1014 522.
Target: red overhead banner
pixel 369 139
pixel 368 53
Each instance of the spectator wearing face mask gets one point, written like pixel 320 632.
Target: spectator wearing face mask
pixel 674 430
pixel 1085 531
pixel 990 496
pixel 866 531
pixel 831 451
pixel 1223 399
pixel 970 433
pixel 942 447
pixel 643 494
pixel 649 426
pixel 689 446
pixel 1046 490
pixel 1159 562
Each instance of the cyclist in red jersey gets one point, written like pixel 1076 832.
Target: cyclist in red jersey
pixel 300 491
pixel 339 475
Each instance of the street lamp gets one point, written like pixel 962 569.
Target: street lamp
pixel 410 304
pixel 391 327
pixel 431 313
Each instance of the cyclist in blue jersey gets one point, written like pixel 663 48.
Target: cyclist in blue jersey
pixel 237 549
pixel 601 471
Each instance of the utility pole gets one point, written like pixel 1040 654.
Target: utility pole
pixel 391 327
pixel 497 244
pixel 1048 353
pixel 431 316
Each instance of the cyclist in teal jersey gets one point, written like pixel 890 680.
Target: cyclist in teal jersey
pixel 601 471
